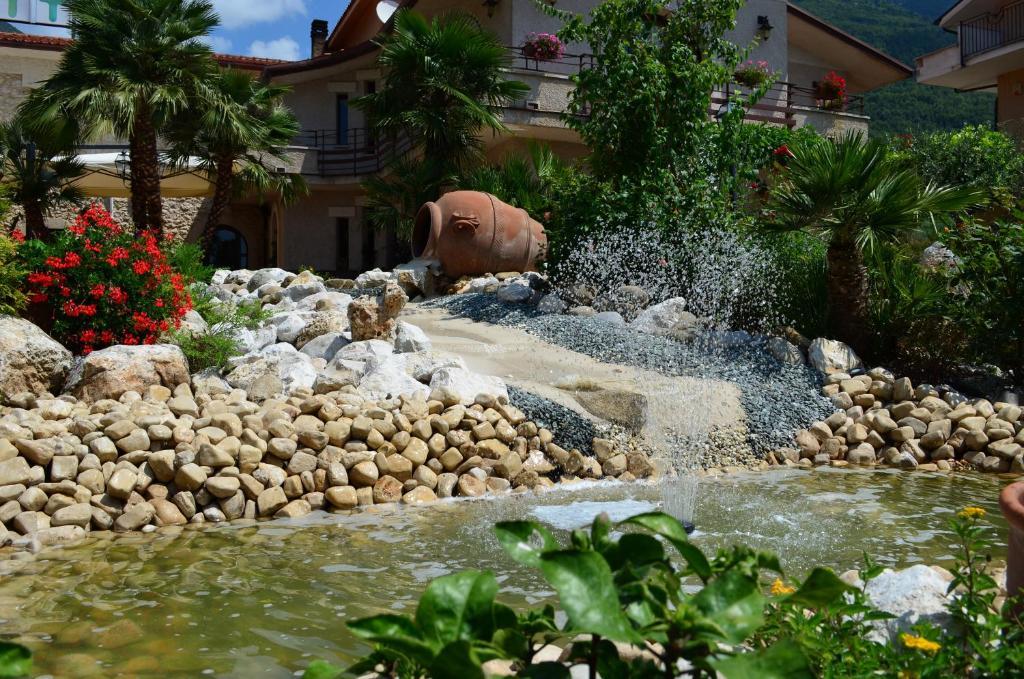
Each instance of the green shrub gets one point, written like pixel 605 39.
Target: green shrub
pixel 215 347
pixel 15 660
pixel 620 586
pixel 12 277
pixel 187 259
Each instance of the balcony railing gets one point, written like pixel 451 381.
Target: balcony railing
pixel 353 152
pixel 567 64
pixel 992 30
pixel 781 102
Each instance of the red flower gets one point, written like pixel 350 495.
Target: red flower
pixel 106 337
pixel 88 336
pixel 41 279
pixel 118 296
pixel 140 267
pixel 38 298
pixel 129 339
pixel 159 303
pixel 97 291
pixel 54 262
pixel 17 236
pixel 65 292
pixel 783 152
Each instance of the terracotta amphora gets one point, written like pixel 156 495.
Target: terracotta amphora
pixel 473 233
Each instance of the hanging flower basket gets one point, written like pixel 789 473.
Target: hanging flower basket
pixel 543 47
pixel 753 73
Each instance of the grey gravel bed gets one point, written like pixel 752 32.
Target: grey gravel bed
pixel 571 429
pixel 778 399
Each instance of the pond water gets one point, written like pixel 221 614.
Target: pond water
pixel 264 599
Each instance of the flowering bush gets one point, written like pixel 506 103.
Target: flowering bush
pixel 104 285
pixel 832 90
pixel 753 73
pixel 543 47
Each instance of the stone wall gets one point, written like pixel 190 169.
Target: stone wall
pixel 12 93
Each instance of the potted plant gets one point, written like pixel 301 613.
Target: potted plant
pixel 753 73
pixel 543 47
pixel 831 91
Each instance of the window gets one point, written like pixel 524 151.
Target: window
pixel 229 249
pixel 342 264
pixel 369 248
pixel 342 119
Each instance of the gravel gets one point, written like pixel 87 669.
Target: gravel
pixel 777 399
pixel 571 429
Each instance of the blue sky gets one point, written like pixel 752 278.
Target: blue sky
pixel 277 29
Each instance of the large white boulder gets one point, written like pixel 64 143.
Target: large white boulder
pixel 386 377
pixel 366 350
pixel 268 276
pixel 832 356
pixel 299 291
pixel 30 360
pixel 280 362
pixel 289 325
pixel 325 346
pixel 411 338
pixel 254 340
pixel 328 300
pixel 375 278
pixel 422 365
pixel 914 595
pixel 110 372
pixel 468 385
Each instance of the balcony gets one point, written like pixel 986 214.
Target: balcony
pixel 990 31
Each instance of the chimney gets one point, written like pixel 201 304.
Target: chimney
pixel 318 37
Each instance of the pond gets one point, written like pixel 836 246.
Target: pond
pixel 264 599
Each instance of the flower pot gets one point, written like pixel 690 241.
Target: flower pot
pixel 473 233
pixel 1011 502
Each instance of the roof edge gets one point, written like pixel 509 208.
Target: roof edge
pixel 848 38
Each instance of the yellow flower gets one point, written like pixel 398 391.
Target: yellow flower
pixel 779 588
pixel 971 513
pixel 919 643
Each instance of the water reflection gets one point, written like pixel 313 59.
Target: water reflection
pixel 263 599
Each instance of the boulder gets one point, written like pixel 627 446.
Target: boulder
pixel 386 377
pixel 661 318
pixel 611 318
pixel 30 360
pixel 914 595
pixel 628 300
pixel 263 277
pixel 410 338
pixel 468 384
pixel 552 304
pixel 325 346
pixel 785 352
pixel 515 292
pixel 323 323
pixel 624 408
pixel 419 277
pixel 832 356
pixel 110 372
pixel 279 363
pixel 365 350
pixel 375 317
pixel 289 325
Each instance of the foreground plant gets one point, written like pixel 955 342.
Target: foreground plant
pixel 627 614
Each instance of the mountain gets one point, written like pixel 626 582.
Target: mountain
pixel 905 29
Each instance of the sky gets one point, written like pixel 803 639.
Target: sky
pixel 277 29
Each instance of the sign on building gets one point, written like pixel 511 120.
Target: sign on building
pixel 43 12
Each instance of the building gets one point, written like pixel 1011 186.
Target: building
pixel 988 56
pixel 328 231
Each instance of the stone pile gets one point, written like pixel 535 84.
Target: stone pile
pixel 882 420
pixel 195 455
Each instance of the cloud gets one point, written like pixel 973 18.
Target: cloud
pixel 218 44
pixel 282 48
pixel 236 13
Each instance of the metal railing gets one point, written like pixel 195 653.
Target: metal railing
pixel 992 30
pixel 353 152
pixel 567 64
pixel 779 102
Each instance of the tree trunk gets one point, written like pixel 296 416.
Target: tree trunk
pixel 147 166
pixel 137 201
pixel 224 168
pixel 848 293
pixel 35 221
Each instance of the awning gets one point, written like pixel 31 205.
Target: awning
pixel 103 179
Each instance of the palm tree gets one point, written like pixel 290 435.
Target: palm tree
pixel 132 64
pixel 38 174
pixel 243 126
pixel 849 191
pixel 443 84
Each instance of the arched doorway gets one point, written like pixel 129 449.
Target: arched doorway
pixel 229 249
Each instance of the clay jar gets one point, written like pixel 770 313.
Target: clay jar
pixel 1011 502
pixel 473 233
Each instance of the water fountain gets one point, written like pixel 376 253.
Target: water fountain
pixel 679 499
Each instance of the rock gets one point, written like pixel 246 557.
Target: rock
pixel 624 408
pixel 419 277
pixel 387 489
pixel 121 483
pixel 14 471
pixel 280 363
pixel 832 356
pixel 109 373
pixel 135 517
pixel 470 486
pixel 323 323
pixel 863 455
pixel 325 346
pixel 610 317
pixel 294 510
pixel 252 340
pixel 342 497
pixel 938 256
pixel 418 496
pixel 266 276
pixel 663 317
pixel 627 300
pixel 468 384
pixel 552 304
pixel 222 486
pixel 410 338
pixel 363 474
pixel 289 325
pixel 30 360
pixel 386 377
pixel 270 501
pixel 79 514
pixel 785 352
pixel 615 465
pixel 914 595
pixel 375 317
pixel 515 292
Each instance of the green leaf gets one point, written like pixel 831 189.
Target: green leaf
pixel 782 660
pixel 319 669
pixel 821 588
pixel 672 530
pixel 458 606
pixel 640 549
pixel 456 661
pixel 600 531
pixel 515 537
pixel 547 670
pixel 734 603
pixel 383 626
pixel 512 643
pixel 587 593
pixel 15 660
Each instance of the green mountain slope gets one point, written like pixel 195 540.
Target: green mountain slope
pixel 905 29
